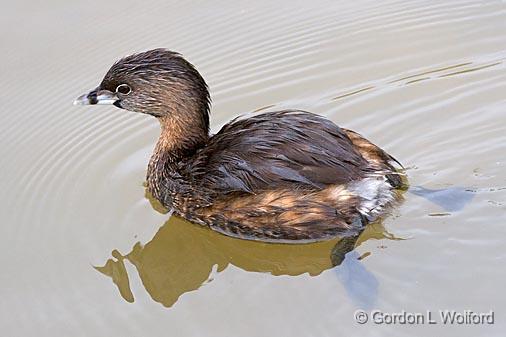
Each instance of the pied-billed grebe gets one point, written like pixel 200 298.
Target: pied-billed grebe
pixel 285 176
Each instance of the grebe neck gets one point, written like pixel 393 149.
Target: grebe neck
pixel 180 138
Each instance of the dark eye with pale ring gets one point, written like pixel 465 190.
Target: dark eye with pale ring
pixel 123 89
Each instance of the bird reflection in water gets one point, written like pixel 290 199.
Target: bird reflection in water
pixel 181 257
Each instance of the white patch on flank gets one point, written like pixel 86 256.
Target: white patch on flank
pixel 375 193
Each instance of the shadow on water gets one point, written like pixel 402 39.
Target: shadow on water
pixel 181 257
pixel 450 199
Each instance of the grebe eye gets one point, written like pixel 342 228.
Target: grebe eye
pixel 123 89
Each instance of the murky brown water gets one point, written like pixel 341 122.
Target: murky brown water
pixel 424 79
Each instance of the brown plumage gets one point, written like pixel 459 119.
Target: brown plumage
pixel 285 176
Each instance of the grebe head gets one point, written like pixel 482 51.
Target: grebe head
pixel 157 82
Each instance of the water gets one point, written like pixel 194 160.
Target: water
pixel 84 252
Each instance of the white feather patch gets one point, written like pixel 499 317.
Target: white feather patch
pixel 375 193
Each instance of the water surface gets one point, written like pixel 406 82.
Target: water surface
pixel 85 253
